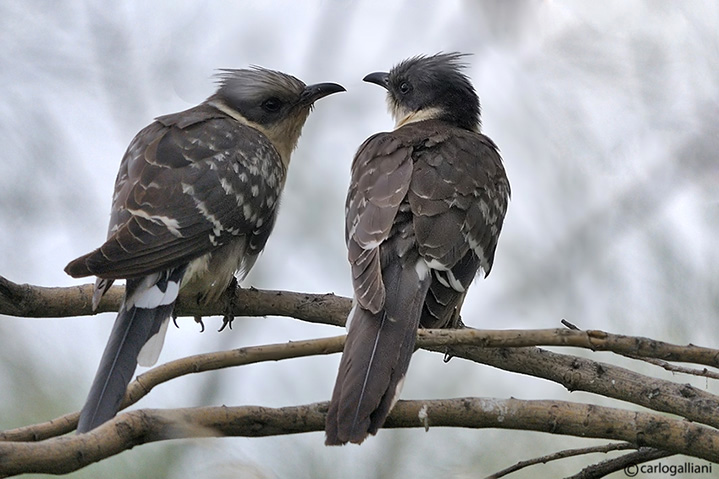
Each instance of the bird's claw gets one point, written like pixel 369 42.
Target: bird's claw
pixel 230 296
pixel 198 320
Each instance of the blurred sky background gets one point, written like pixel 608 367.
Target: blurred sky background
pixel 607 116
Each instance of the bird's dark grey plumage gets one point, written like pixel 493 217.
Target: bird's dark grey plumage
pixel 195 201
pixel 424 211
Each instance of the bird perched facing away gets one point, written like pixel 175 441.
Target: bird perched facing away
pixel 195 202
pixel 424 211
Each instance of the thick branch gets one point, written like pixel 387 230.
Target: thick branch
pixel 30 301
pixel 65 454
pixel 579 374
pixel 35 301
pixel 572 372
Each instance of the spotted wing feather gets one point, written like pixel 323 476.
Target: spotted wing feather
pixel 182 191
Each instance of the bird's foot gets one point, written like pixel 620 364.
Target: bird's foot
pixel 230 302
pixel 198 320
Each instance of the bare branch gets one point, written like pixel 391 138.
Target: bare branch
pixel 510 350
pixel 604 468
pixel 68 453
pixel 572 372
pixel 562 455
pixel 39 302
pixel 579 374
pixel 35 301
pixel 145 382
pixel 590 339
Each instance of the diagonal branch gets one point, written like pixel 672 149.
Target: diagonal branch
pixel 605 448
pixel 68 453
pixel 145 382
pixel 572 372
pixel 627 463
pixel 580 374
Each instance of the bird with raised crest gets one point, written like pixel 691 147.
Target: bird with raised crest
pixel 424 212
pixel 195 201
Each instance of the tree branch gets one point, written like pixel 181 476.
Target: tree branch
pixel 604 468
pixel 40 302
pixel 145 382
pixel 35 301
pixel 65 454
pixel 562 455
pixel 579 374
pixel 511 350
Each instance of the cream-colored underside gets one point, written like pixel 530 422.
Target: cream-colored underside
pixel 210 274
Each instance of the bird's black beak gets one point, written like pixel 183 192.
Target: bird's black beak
pixel 378 78
pixel 312 93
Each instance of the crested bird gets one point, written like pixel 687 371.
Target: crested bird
pixel 424 212
pixel 195 200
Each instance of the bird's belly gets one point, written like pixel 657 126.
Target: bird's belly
pixel 210 274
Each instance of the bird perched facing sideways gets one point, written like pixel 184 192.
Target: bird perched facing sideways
pixel 195 201
pixel 424 211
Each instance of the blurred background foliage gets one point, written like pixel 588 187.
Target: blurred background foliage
pixel 607 115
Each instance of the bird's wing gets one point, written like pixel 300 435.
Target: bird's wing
pixel 186 188
pixel 381 173
pixel 459 195
pixel 388 290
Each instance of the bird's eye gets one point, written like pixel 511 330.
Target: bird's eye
pixel 405 88
pixel 272 104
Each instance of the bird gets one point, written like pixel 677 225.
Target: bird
pixel 424 211
pixel 195 200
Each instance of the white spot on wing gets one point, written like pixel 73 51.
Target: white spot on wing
pixel 421 268
pixel 227 186
pixel 187 189
pixel 217 227
pixel 170 223
pixel 435 264
pixel 456 285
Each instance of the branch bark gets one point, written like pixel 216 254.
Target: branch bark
pixel 510 350
pixel 65 454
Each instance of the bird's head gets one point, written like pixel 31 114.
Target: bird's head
pixel 430 87
pixel 273 102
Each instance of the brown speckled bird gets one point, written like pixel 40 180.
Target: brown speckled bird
pixel 424 211
pixel 195 201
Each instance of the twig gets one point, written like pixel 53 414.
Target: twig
pixel 68 453
pixel 625 463
pixel 562 455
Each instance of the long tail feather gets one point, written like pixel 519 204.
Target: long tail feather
pixel 376 357
pixel 148 304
